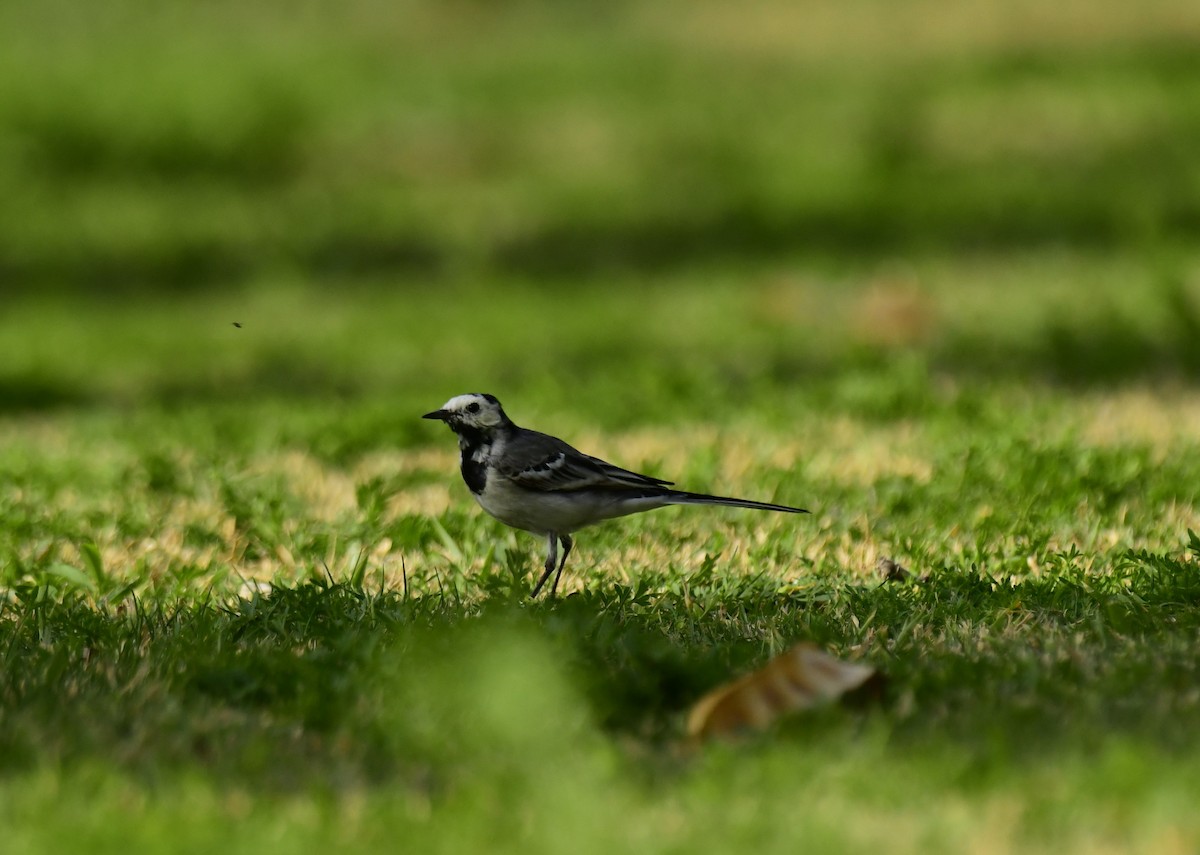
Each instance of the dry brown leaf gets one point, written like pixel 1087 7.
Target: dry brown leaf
pixel 796 680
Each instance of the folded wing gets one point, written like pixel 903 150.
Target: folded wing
pixel 540 462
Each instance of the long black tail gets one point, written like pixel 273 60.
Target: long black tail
pixel 681 497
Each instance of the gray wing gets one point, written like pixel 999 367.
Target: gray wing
pixel 538 461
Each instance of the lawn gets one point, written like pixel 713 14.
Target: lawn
pixel 930 275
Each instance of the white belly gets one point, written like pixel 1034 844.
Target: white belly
pixel 561 513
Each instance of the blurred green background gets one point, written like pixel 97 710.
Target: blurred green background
pixel 565 199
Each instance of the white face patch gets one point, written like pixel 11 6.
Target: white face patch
pixel 475 410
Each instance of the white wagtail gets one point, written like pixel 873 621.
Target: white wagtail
pixel 538 483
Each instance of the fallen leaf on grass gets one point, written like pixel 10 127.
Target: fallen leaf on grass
pixel 796 680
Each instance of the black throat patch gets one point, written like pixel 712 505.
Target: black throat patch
pixel 474 473
pixel 474 449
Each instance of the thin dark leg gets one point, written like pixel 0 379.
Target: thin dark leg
pixel 567 543
pixel 551 555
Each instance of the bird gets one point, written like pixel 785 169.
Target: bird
pixel 538 483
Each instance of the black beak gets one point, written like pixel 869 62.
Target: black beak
pixel 440 415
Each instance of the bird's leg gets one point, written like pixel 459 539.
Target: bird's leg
pixel 551 560
pixel 567 543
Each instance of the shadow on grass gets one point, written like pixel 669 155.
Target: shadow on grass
pixel 25 393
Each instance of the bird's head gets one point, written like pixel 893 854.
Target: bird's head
pixel 471 413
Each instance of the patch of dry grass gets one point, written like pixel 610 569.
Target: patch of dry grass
pixel 867 33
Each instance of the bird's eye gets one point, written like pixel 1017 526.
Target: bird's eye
pixel 473 407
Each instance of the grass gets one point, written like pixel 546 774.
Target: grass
pixel 939 288
pixel 234 620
